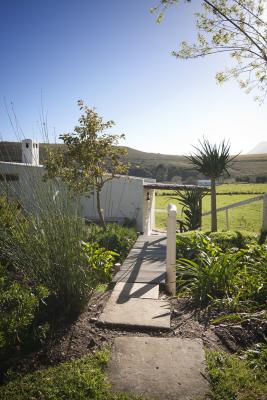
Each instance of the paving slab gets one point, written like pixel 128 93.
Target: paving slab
pixel 146 276
pixel 158 368
pixel 136 290
pixel 133 313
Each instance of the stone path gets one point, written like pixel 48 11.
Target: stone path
pixel 135 299
pixel 159 368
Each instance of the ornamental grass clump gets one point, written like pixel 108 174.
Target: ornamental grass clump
pixel 48 249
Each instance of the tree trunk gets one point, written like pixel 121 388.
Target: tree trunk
pixel 213 206
pixel 99 210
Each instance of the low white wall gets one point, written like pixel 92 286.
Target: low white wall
pixel 121 197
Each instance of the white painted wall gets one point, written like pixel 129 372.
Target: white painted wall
pixel 121 198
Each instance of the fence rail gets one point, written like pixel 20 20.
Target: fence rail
pixel 238 204
pixel 242 203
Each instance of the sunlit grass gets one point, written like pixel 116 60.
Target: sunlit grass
pixel 247 217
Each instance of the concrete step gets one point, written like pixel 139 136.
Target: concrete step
pixel 134 313
pixel 158 368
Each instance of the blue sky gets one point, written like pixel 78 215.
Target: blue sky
pixel 114 56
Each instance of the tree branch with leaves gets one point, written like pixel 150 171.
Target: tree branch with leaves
pixel 236 27
pixel 212 161
pixel 90 158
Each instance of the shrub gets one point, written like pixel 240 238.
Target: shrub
pixel 117 238
pixel 19 305
pixel 81 379
pixel 191 245
pixel 229 239
pixel 234 278
pixel 50 251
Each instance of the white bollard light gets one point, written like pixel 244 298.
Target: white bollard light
pixel 171 250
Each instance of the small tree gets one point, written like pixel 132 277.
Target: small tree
pixel 90 156
pixel 212 161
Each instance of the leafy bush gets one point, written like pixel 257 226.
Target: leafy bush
pixel 81 379
pixel 50 251
pixel 117 238
pixel 234 278
pixel 19 304
pixel 190 243
pixel 235 378
pixel 229 239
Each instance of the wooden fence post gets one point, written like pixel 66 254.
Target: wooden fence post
pixel 264 219
pixel 171 250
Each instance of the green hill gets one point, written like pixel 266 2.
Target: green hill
pixel 163 167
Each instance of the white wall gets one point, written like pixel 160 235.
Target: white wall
pixel 121 198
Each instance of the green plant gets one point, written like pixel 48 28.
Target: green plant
pixel 91 156
pixel 237 239
pixel 191 245
pixel 212 161
pixel 81 379
pixel 235 378
pixel 50 250
pixel 19 306
pixel 115 237
pixel 191 202
pixel 235 278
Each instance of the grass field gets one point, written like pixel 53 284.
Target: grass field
pixel 248 217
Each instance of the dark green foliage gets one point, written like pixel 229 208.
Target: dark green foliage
pixel 235 279
pixel 229 239
pixel 81 379
pixel 19 306
pixel 190 243
pixel 235 378
pixel 116 237
pixel 191 201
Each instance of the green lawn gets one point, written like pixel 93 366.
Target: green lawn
pixel 248 217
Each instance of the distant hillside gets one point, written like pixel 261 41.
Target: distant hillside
pixel 163 167
pixel 261 148
pixel 246 167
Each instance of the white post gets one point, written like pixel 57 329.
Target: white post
pixel 264 219
pixel 171 250
pixel 227 219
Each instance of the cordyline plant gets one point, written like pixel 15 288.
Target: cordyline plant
pixel 235 27
pixel 212 161
pixel 91 156
pixel 191 202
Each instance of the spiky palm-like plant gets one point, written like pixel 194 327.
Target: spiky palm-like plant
pixel 212 161
pixel 191 201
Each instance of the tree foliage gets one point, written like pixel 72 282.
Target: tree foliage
pixel 236 27
pixel 91 156
pixel 212 161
